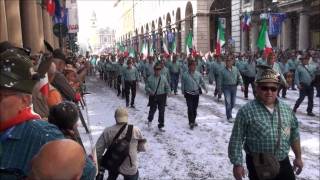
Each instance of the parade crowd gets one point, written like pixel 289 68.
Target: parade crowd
pixel 42 94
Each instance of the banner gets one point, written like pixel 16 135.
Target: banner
pixel 275 23
pixel 73 21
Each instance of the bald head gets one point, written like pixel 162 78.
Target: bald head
pixel 60 159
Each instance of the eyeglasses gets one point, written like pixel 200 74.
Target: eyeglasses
pixel 267 88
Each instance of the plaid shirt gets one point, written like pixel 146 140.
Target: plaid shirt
pixel 257 129
pixel 19 145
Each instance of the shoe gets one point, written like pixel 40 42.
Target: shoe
pixel 175 93
pixel 284 97
pixel 132 105
pixel 230 120
pixel 191 126
pixel 311 114
pixel 127 105
pixel 294 110
pixel 161 129
pixel 246 98
pixel 149 124
pixel 195 124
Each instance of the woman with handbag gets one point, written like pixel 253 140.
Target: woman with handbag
pixel 190 87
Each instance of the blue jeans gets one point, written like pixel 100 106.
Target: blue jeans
pixel 174 81
pixel 229 92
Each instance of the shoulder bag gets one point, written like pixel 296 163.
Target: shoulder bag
pixel 267 165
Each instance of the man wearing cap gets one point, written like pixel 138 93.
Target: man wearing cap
pixel 130 77
pixel 191 83
pixel 228 80
pixel 266 126
pixel 157 87
pixel 22 133
pixel 304 76
pixel 129 168
pixel 60 82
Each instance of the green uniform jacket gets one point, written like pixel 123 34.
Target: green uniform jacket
pixel 152 82
pixel 256 128
pixel 165 72
pixel 130 74
pixel 303 76
pixel 192 84
pixel 228 77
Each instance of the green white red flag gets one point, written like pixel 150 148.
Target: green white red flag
pixel 220 38
pixel 263 41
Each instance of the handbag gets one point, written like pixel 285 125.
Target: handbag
pixel 152 99
pixel 267 165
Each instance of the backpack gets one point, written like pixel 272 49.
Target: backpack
pixel 118 151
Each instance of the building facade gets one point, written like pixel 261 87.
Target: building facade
pixel 151 21
pixel 300 29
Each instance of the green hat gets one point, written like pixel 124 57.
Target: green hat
pixel 267 75
pixel 16 71
pixel 157 65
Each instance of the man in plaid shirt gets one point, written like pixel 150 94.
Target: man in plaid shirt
pixel 256 129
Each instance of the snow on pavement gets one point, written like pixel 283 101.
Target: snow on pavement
pixel 181 153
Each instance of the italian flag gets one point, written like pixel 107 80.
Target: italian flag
pixel 174 47
pixel 165 48
pixel 43 85
pixel 144 50
pixel 220 38
pixel 151 50
pixel 132 52
pixel 263 42
pixel 188 43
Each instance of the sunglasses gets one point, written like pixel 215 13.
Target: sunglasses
pixel 158 69
pixel 267 88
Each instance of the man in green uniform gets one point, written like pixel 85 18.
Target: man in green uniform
pixel 157 87
pixel 191 83
pixel 265 126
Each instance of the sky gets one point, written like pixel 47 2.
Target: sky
pixel 104 11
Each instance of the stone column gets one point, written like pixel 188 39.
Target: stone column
pixel 254 33
pixel 3 22
pixel 201 33
pixel 286 32
pixel 303 31
pixel 244 41
pixel 183 37
pixel 30 25
pixel 47 27
pixel 13 22
pixel 40 27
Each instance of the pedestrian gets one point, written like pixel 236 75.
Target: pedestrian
pixel 217 66
pixel 304 76
pixel 22 132
pixel 266 128
pixel 293 63
pixel 131 80
pixel 284 67
pixel 228 80
pixel 129 168
pixel 191 84
pixel 119 69
pixel 240 63
pixel 58 159
pixel 157 87
pixel 174 68
pixel 250 73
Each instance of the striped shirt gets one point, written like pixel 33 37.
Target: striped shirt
pixel 19 145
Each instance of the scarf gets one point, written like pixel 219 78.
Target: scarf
pixel 23 116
